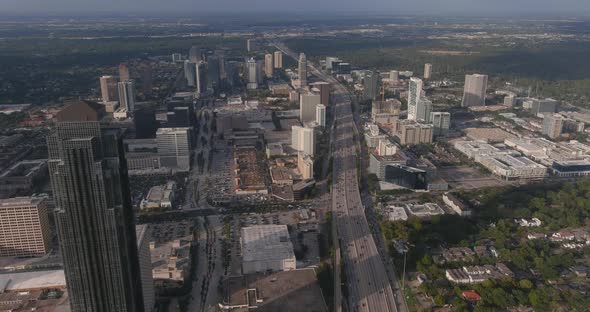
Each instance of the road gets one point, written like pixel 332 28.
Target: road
pixel 365 273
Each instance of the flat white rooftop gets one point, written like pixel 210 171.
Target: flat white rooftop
pixel 266 242
pixel 32 280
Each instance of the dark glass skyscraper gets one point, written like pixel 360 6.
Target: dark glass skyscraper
pixel 94 217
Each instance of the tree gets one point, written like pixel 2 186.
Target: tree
pixel 525 284
pixel 439 300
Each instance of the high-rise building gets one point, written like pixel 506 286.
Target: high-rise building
pixel 213 67
pixel 194 54
pixel 251 45
pixel 405 176
pixel 540 107
pixel 441 122
pixel 124 72
pixel 268 65
pixel 324 89
pixel 427 71
pixel 176 57
pixel 108 88
pixel 423 110
pixel 127 95
pixel 371 86
pixel 385 112
pixel 94 217
pixel 307 106
pixel 386 148
pixel 410 133
pixel 394 76
pixel 510 100
pixel 305 165
pixel 145 266
pixel 24 227
pixel 320 115
pixel 303 140
pixel 174 148
pixel 553 125
pixel 190 73
pixel 145 72
pixel 302 70
pixel 474 93
pixel 278 59
pixel 201 77
pixel 252 73
pixel 414 96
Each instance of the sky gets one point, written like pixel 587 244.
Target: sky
pixel 446 7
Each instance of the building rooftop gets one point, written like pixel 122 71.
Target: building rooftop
pixel 488 134
pixel 33 280
pixel 266 242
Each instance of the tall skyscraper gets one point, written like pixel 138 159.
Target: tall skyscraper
pixel 414 96
pixel 24 227
pixel 268 65
pixel 176 57
pixel 427 71
pixel 553 125
pixel 194 54
pixel 174 148
pixel 124 72
pixel 146 78
pixel 394 76
pixel 305 165
pixel 324 89
pixel 108 88
pixel 94 217
pixel 423 110
pixel 303 140
pixel 441 122
pixel 251 45
pixel 213 70
pixel 278 59
pixel 251 72
pixel 320 115
pixel 127 95
pixel 201 77
pixel 145 264
pixel 474 93
pixel 190 73
pixel 307 106
pixel 371 85
pixel 302 70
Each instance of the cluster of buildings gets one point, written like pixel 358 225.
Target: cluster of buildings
pixel 478 274
pixel 423 211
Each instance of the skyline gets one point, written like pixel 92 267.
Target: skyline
pixel 384 7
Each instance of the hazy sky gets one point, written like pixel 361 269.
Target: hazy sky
pixel 484 7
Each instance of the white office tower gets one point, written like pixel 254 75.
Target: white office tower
pixel 190 73
pixel 427 71
pixel 127 95
pixel 176 57
pixel 320 115
pixel 278 59
pixel 108 88
pixel 201 77
pixel 423 110
pixel 441 122
pixel 307 106
pixel 251 45
pixel 251 71
pixel 268 65
pixel 394 76
pixel 174 148
pixel 474 93
pixel 303 140
pixel 302 70
pixel 414 96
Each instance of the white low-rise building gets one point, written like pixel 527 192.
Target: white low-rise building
pixel 393 213
pixel 424 210
pixel 159 197
pixel 266 248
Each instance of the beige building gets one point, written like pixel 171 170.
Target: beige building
pixel 305 165
pixel 108 89
pixel 427 71
pixel 268 65
pixel 307 106
pixel 278 59
pixel 410 133
pixel 24 227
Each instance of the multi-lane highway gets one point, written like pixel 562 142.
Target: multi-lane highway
pixel 365 275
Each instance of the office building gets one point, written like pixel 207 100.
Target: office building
pixel 94 217
pixel 320 115
pixel 331 61
pixel 394 76
pixel 414 97
pixel 324 89
pixel 213 67
pixel 201 77
pixel 423 110
pixel 540 107
pixel 24 227
pixel 427 71
pixel 174 148
pixel 371 86
pixel 305 165
pixel 510 100
pixel 307 106
pixel 405 176
pixel 278 59
pixel 474 93
pixel 553 125
pixel 251 72
pixel 251 45
pixel 176 57
pixel 146 78
pixel 441 123
pixel 190 73
pixel 108 88
pixel 386 112
pixel 266 248
pixel 145 266
pixel 124 72
pixel 302 70
pixel 127 95
pixel 377 163
pixel 194 55
pixel 386 148
pixel 303 140
pixel 268 65
pixel 410 133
